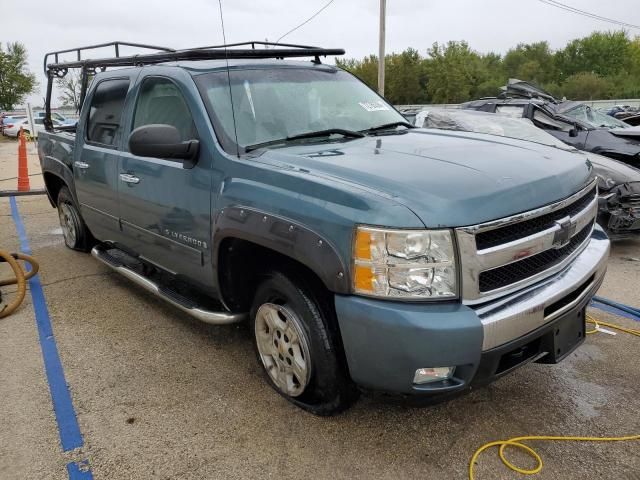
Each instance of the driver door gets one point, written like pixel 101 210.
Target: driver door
pixel 165 207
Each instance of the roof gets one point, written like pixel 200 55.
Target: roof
pixel 209 65
pixel 202 67
pixel 505 101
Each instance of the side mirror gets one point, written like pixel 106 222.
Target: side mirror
pixel 163 141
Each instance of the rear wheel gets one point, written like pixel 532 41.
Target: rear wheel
pixel 75 232
pixel 297 344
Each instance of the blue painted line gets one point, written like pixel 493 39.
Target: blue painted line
pixel 615 311
pixel 79 470
pixel 68 428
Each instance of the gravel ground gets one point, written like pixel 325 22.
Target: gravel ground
pixel 159 395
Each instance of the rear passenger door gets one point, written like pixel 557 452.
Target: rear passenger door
pixel 96 162
pixel 165 207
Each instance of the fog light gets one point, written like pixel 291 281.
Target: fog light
pixel 432 374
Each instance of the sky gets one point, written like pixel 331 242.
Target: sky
pixel 488 25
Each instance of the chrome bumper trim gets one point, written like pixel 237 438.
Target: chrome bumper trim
pixel 516 315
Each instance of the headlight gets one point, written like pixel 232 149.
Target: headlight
pixel 416 264
pixel 605 183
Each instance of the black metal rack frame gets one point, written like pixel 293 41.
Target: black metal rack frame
pixel 163 54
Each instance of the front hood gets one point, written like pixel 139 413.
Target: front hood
pixel 608 168
pixel 446 178
pixel 626 132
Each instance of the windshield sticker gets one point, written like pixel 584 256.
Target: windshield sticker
pixel 373 106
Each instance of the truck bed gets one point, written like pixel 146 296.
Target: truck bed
pixel 56 147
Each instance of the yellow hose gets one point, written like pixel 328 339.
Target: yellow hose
pixel 20 279
pixel 516 442
pixel 598 323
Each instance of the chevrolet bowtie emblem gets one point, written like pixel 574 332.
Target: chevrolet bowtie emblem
pixel 563 236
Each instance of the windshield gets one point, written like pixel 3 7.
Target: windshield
pixel 273 104
pixel 489 123
pixel 594 118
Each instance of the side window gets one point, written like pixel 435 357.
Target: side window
pixel 514 111
pixel 39 121
pixel 160 102
pixel 105 113
pixel 546 121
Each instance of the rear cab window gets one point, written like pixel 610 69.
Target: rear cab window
pixel 105 113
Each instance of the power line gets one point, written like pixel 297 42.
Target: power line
pixel 584 13
pixel 568 8
pixel 306 21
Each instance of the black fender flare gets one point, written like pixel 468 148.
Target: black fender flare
pixel 53 166
pixel 286 237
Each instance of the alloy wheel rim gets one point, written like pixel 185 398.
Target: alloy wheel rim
pixel 283 348
pixel 68 224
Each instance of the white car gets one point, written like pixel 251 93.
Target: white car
pixel 11 129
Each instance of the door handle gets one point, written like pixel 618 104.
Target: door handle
pixel 128 178
pixel 81 165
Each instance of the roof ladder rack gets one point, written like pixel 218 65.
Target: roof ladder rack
pixel 164 54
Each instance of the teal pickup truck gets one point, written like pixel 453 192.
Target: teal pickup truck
pixel 241 184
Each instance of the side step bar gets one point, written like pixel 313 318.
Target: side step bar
pixel 174 298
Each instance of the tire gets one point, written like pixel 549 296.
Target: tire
pixel 75 232
pixel 297 343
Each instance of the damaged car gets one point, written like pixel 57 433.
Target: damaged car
pixel 618 183
pixel 626 113
pixel 574 123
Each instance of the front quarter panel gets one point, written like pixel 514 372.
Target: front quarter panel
pixel 309 219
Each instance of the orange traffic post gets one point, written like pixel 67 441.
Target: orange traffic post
pixel 23 169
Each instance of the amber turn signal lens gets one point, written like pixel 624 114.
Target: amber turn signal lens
pixel 363 245
pixel 363 278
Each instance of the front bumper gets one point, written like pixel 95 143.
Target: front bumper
pixel 386 342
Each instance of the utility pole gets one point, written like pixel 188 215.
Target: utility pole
pixel 383 15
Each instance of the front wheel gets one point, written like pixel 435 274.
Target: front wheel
pixel 297 344
pixel 75 232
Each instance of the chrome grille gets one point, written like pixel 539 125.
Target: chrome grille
pixel 498 236
pixel 523 269
pixel 504 255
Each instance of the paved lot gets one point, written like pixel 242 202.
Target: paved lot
pixel 9 164
pixel 159 395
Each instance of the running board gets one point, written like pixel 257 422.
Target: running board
pixel 165 293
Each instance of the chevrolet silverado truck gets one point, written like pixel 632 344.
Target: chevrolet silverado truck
pixel 250 184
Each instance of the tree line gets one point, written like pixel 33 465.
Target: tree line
pixel 16 82
pixel 603 65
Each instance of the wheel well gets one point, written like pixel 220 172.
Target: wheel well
pixel 242 264
pixel 53 183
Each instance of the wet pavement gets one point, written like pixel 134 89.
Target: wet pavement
pixel 159 395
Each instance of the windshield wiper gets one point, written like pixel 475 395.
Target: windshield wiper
pixel 320 133
pixel 387 126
